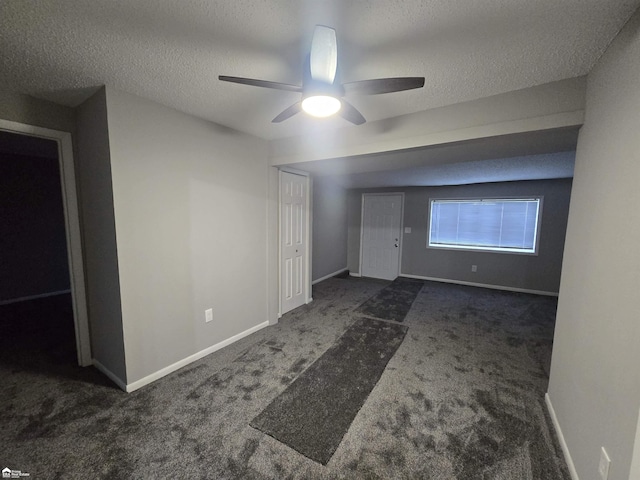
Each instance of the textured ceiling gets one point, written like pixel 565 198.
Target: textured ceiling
pixel 172 51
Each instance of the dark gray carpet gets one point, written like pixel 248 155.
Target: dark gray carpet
pixel 315 411
pixel 394 301
pixel 462 399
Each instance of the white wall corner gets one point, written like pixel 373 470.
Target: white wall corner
pixel 635 460
pixel 112 376
pixel 273 246
pixel 561 439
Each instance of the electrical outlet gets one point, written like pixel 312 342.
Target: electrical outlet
pixel 474 268
pixel 208 314
pixel 605 462
pixel 407 229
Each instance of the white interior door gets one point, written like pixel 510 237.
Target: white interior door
pixel 293 240
pixel 380 245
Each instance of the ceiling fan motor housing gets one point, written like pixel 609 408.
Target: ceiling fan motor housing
pixel 311 87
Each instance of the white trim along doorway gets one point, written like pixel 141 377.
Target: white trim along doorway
pixel 381 235
pixel 294 240
pixel 72 229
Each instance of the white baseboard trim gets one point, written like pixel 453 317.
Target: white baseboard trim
pixel 482 285
pixel 321 279
pixel 33 297
pixel 112 376
pixel 563 443
pixel 130 387
pixel 354 274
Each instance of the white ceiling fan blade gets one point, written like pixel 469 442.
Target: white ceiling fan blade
pixel 323 58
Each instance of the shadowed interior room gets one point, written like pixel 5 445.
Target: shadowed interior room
pixel 320 239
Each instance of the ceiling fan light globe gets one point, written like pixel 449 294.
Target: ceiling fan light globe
pixel 321 105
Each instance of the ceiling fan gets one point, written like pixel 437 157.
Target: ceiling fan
pixel 321 96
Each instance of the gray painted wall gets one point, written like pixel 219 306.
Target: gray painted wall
pixel 99 235
pixel 190 204
pixel 594 384
pixel 531 272
pixel 329 228
pixel 32 111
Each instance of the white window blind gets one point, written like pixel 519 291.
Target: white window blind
pixel 505 225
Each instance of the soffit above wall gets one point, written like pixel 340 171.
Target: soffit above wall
pixel 526 156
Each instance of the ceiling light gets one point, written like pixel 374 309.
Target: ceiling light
pixel 321 105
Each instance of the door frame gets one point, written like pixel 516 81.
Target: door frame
pixel 307 232
pixel 400 238
pixel 71 227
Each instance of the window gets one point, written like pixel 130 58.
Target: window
pixel 497 225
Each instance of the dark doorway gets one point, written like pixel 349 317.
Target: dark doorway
pixel 36 314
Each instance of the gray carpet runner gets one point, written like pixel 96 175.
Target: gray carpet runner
pixel 394 301
pixel 315 411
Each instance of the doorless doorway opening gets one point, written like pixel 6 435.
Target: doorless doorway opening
pixel 71 227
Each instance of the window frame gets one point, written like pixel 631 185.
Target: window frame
pixel 500 250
